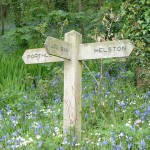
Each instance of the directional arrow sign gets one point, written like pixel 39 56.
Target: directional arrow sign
pixel 58 48
pixel 108 49
pixel 39 55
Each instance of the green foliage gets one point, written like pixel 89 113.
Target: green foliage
pixel 115 113
pixel 61 4
pixel 20 37
pixel 136 27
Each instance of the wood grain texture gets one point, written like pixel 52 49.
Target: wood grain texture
pixel 39 55
pixel 58 48
pixel 108 49
pixel 73 86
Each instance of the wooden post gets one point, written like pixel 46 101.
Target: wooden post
pixel 73 86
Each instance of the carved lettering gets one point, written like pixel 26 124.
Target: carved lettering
pixel 124 48
pixel 38 56
pixel 95 50
pixel 55 46
pixel 114 48
pixel 35 55
pixel 110 49
pixel 64 49
pixel 101 49
pixel 32 56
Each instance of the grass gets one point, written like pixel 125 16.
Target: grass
pixel 115 116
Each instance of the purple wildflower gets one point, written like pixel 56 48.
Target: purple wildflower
pixel 142 145
pixel 130 145
pixel 98 75
pixel 86 115
pixel 105 142
pixel 40 144
pixel 1 114
pixel 60 148
pixel 55 82
pixel 137 112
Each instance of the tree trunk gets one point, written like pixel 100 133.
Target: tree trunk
pixel 99 4
pixel 80 6
pixel 2 19
pixel 48 2
pixel 3 10
pixel 17 13
pixel 81 23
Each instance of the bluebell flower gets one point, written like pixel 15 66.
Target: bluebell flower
pixel 144 115
pixel 130 138
pixel 147 94
pixel 86 115
pixel 3 138
pixel 14 120
pixel 118 147
pixel 111 132
pixel 1 114
pixel 113 79
pixel 107 93
pixel 105 142
pixel 132 128
pixel 121 134
pixel 120 92
pixel 36 131
pixel 25 96
pixel 60 148
pixel 133 95
pixel 122 104
pixel 40 144
pixel 86 96
pixel 74 141
pixel 137 112
pixel 116 109
pixel 14 147
pixel 56 81
pixel 113 141
pixel 27 88
pixel 57 99
pixel 147 137
pixel 65 141
pixel 142 145
pixel 37 77
pixel 33 86
pixel 130 145
pixel 107 75
pixel 15 133
pixel 98 75
pixel 8 109
pixel 148 108
pixel 120 75
pixel 84 148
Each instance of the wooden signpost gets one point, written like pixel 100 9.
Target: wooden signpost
pixel 72 52
pixel 108 49
pixel 58 48
pixel 39 55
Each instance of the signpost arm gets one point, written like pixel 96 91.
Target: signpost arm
pixel 73 86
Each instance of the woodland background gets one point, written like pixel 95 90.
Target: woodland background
pixel 116 112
